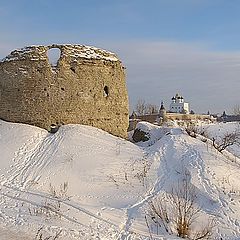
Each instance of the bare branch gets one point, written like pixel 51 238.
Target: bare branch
pixel 140 107
pixel 227 140
pixel 177 212
pixel 236 109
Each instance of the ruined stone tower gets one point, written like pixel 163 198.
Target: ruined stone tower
pixel 87 86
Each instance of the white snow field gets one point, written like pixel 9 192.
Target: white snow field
pixel 83 183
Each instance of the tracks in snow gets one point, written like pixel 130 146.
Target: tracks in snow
pixel 175 154
pixel 159 161
pixel 194 158
pixel 29 162
pixel 32 158
pixel 36 199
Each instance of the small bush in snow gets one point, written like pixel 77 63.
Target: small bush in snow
pixel 61 193
pixel 40 235
pixel 49 209
pixel 176 213
pixel 192 130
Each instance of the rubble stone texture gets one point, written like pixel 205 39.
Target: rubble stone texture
pixel 87 86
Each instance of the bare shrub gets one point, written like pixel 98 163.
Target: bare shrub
pixel 227 140
pixel 203 132
pixel 151 108
pixel 135 169
pixel 236 109
pixel 41 236
pixel 195 131
pixel 114 180
pixel 140 107
pixel 140 168
pixel 176 213
pixel 192 130
pixel 61 193
pixel 49 209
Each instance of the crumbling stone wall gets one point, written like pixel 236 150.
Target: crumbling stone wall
pixel 87 87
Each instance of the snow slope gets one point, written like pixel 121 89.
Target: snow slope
pixel 84 183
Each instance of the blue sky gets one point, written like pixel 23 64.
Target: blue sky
pixel 168 46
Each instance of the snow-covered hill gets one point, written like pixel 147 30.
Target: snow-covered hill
pixel 83 183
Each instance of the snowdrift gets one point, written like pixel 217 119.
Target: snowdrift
pixel 83 183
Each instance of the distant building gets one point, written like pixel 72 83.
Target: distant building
pixel 179 111
pixel 162 110
pixel 178 105
pixel 228 118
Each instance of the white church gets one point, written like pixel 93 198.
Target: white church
pixel 178 105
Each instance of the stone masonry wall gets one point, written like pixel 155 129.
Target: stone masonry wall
pixel 87 87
